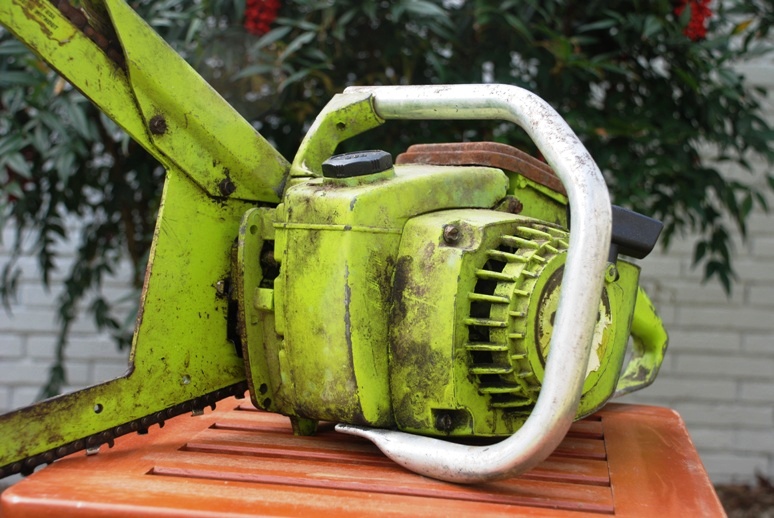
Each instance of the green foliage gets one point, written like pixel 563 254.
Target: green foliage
pixel 660 113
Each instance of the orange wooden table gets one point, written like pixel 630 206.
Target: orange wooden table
pixel 625 460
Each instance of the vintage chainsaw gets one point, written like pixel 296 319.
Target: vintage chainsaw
pixel 441 296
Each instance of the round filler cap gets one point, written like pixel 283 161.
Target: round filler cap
pixel 358 163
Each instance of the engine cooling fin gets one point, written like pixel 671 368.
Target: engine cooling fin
pixel 502 314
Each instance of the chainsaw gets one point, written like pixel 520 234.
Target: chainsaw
pixel 458 292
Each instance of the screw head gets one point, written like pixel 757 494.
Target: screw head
pixel 158 125
pixel 451 234
pixel 226 187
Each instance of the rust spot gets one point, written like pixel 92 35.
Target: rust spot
pixel 491 154
pixel 511 205
pixel 35 11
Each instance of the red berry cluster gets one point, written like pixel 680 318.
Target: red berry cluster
pixel 700 11
pixel 259 15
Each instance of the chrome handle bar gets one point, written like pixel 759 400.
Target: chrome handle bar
pixel 582 284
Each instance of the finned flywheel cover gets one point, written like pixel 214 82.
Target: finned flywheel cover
pixel 512 310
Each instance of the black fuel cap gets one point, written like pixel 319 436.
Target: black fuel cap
pixel 358 163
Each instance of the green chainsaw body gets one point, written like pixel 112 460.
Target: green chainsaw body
pixel 418 297
pixel 378 318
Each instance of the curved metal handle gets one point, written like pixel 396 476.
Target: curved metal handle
pixel 570 345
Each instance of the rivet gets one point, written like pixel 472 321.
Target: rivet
pixel 158 125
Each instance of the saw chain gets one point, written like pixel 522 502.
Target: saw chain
pixel 196 406
pixel 95 25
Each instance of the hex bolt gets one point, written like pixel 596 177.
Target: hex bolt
pixel 158 125
pixel 226 187
pixel 451 234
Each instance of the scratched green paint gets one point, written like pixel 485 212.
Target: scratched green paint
pixel 180 350
pixel 206 137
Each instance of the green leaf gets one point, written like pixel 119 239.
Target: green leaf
pixel 18 164
pixel 14 189
pixel 729 76
pixel 299 24
pixel 699 252
pixel 369 8
pixel 296 44
pixel 598 25
pixel 295 77
pixel 193 30
pixel 11 143
pixel 687 78
pixel 518 25
pixel 651 26
pixel 13 47
pixel 79 120
pixel 424 8
pixel 64 164
pixel 739 28
pixel 270 37
pixel 254 70
pixel 11 78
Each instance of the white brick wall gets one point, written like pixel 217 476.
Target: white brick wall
pixel 28 335
pixel 719 371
